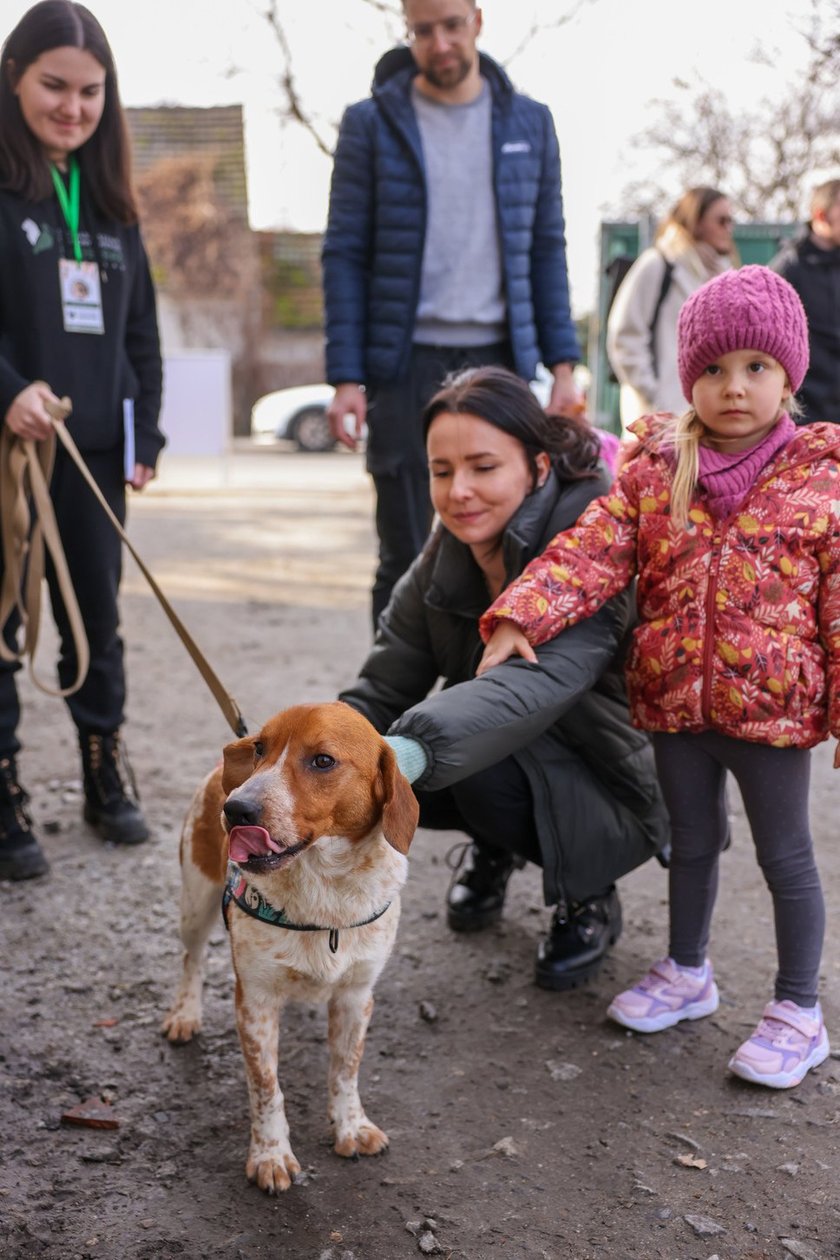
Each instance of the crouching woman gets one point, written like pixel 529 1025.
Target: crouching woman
pixel 535 762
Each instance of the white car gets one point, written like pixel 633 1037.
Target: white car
pixel 298 414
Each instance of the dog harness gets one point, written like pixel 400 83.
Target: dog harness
pixel 251 900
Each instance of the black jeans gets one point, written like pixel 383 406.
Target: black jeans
pixel 396 455
pixel 494 807
pixel 94 558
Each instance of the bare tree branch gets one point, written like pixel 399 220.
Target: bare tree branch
pixel 825 47
pixel 536 27
pixel 764 158
pixel 294 107
pixel 381 6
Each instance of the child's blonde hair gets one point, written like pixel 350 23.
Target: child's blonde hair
pixel 687 431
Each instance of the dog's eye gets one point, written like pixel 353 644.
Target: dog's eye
pixel 259 749
pixel 323 761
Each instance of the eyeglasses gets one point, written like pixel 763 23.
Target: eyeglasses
pixel 452 27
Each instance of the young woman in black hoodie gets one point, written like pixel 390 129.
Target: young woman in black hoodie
pixel 77 318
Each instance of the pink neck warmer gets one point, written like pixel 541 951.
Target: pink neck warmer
pixel 726 477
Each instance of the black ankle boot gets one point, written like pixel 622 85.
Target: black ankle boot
pixel 475 897
pixel 110 808
pixel 20 853
pixel 577 941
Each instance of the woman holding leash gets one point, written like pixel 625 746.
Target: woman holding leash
pixel 77 318
pixel 537 765
pixel 730 516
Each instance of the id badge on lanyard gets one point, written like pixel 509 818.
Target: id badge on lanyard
pixel 81 296
pixel 79 282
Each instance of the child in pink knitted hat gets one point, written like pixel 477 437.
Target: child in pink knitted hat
pixel 729 515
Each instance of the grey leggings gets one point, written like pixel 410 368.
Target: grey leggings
pixel 774 787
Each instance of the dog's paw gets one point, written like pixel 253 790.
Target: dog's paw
pixel 367 1139
pixel 179 1026
pixel 272 1173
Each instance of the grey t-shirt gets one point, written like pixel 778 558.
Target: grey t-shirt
pixel 461 291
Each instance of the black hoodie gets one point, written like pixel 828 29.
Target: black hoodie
pixel 97 372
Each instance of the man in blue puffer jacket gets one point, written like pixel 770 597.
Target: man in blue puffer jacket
pixel 444 248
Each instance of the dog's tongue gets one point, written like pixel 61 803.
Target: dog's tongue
pixel 248 842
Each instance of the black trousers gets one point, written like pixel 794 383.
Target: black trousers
pixel 494 807
pixel 396 455
pixel 94 558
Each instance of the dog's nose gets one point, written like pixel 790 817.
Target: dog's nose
pixel 242 812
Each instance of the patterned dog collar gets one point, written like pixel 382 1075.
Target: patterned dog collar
pixel 251 900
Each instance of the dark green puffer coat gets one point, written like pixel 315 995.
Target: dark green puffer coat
pixel 565 720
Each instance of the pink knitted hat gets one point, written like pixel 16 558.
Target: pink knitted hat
pixel 750 308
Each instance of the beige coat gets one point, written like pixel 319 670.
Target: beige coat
pixel 643 389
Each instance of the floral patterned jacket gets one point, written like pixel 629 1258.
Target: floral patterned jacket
pixel 739 619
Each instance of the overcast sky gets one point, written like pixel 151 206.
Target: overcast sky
pixel 598 73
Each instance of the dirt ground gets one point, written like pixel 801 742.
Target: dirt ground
pixel 523 1125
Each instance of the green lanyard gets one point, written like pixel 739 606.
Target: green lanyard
pixel 69 204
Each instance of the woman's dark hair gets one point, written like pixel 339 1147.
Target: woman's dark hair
pixel 104 159
pixel 504 400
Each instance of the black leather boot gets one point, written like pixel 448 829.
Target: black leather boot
pixel 20 853
pixel 110 807
pixel 477 895
pixel 577 941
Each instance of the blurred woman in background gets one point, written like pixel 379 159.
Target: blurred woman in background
pixel 692 245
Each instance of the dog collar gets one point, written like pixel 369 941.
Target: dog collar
pixel 251 900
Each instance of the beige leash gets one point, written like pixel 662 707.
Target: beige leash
pixel 25 471
pixel 38 481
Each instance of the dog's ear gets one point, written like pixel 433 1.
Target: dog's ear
pixel 238 762
pixel 400 810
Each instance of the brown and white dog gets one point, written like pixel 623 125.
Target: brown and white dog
pixel 318 820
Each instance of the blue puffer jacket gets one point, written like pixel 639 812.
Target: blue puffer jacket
pixel 373 247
